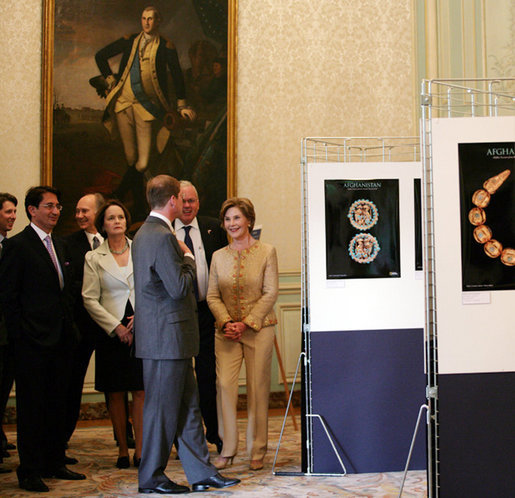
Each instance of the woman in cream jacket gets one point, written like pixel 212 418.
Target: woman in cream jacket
pixel 108 294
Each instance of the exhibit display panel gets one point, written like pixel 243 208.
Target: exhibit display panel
pixel 476 292
pixel 469 169
pixel 393 297
pixel 364 304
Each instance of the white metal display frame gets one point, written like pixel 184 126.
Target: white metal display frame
pixel 448 98
pixel 346 150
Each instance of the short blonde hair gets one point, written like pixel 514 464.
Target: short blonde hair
pixel 244 205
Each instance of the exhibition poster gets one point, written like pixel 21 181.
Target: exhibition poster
pixel 487 215
pixel 362 228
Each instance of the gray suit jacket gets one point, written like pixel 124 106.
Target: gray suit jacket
pixel 166 321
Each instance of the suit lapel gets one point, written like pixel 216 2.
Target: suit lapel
pixel 84 242
pixel 39 247
pixel 207 240
pixel 61 257
pixel 60 252
pixel 108 263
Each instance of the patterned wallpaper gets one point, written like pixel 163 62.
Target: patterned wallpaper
pixel 308 69
pixel 20 82
pixel 305 68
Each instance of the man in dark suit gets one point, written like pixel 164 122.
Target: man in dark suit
pixel 203 235
pixel 36 299
pixel 166 337
pixel 78 244
pixel 8 205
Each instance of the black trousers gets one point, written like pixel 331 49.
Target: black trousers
pixel 41 377
pixel 79 367
pixel 6 383
pixel 205 370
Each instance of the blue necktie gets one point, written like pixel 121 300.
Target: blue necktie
pixel 189 243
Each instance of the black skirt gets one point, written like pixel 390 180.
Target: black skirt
pixel 116 368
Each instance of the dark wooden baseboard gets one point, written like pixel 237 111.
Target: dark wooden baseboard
pixel 98 411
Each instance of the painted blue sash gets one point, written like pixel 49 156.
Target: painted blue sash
pixel 137 88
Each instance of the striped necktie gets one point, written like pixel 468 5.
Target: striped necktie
pixel 50 249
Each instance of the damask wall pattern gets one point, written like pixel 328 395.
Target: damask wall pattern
pixel 20 88
pixel 319 68
pixel 305 68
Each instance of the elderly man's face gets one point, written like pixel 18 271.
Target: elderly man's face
pixel 85 213
pixel 190 204
pixel 149 22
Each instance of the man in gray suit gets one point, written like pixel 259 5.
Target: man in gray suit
pixel 167 338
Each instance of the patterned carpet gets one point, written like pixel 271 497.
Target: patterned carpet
pixel 97 453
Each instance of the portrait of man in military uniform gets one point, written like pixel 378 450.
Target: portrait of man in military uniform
pixel 139 90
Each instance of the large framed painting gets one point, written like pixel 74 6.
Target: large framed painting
pixel 130 92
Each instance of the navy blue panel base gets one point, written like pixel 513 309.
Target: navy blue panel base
pixel 368 386
pixel 477 435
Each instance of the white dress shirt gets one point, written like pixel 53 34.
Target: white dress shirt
pixel 200 254
pixel 43 235
pixel 169 223
pixel 90 238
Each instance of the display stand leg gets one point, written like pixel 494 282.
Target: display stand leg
pixel 284 423
pixel 283 375
pixel 422 408
pixel 311 416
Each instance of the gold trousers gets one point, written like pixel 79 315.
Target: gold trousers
pixel 137 139
pixel 256 349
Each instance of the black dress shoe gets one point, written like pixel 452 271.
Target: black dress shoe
pixel 216 481
pixel 64 473
pixel 4 454
pixel 123 462
pixel 32 483
pixel 70 460
pixel 10 446
pixel 166 488
pixel 136 461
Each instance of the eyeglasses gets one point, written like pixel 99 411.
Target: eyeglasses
pixel 51 206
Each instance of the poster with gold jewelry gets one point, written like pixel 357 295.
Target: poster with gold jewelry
pixel 487 200
pixel 362 229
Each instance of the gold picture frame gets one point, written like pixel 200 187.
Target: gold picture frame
pixel 53 107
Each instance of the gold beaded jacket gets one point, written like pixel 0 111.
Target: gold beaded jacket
pixel 243 286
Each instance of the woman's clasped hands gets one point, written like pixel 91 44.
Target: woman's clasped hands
pixel 234 330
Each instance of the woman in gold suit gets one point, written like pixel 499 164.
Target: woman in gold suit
pixel 243 287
